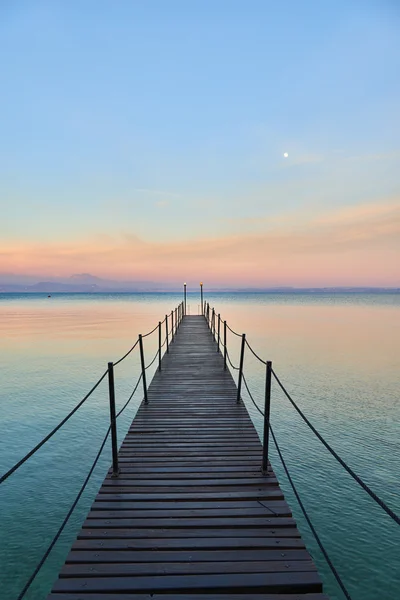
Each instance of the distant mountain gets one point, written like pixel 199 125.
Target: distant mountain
pixel 88 283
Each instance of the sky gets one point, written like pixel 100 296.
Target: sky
pixel 146 140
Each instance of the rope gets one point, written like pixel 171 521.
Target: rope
pixel 256 355
pixel 324 552
pixel 378 500
pixel 234 332
pixel 130 397
pixel 251 397
pixel 152 331
pixel 66 519
pixel 148 366
pixel 50 435
pixel 127 354
pixel 230 362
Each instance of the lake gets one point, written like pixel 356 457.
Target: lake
pixel 337 354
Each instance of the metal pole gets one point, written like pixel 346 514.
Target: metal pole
pixel 172 326
pixel 159 345
pixel 201 296
pixel 219 330
pixel 113 421
pixel 267 407
pixel 184 296
pixel 241 367
pixel 225 348
pixel 166 331
pixel 143 368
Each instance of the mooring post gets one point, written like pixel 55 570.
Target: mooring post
pixel 113 421
pixel 166 331
pixel 143 368
pixel 159 345
pixel 219 330
pixel 239 385
pixel 267 409
pixel 225 348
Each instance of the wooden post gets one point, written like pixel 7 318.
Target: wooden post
pixel 219 330
pixel 213 322
pixel 201 297
pixel 143 368
pixel 267 408
pixel 159 345
pixel 113 421
pixel 225 348
pixel 166 332
pixel 239 385
pixel 172 326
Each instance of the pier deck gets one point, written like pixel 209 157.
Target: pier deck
pixel 191 516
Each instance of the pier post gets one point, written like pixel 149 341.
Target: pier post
pixel 184 296
pixel 143 368
pixel 239 385
pixel 225 348
pixel 172 326
pixel 267 408
pixel 159 345
pixel 166 332
pixel 113 421
pixel 201 297
pixel 213 322
pixel 219 330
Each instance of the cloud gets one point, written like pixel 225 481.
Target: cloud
pixel 353 246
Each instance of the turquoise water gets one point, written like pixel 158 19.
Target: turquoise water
pixel 339 356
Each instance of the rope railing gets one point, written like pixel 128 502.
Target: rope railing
pixel 179 314
pixel 270 372
pixel 65 521
pixel 267 427
pixel 340 460
pixel 52 432
pixel 130 397
pixel 153 361
pixel 310 524
pixel 178 311
pixel 127 354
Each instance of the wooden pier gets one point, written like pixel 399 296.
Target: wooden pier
pixel 191 516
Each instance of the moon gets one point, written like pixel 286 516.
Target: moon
pixel 285 154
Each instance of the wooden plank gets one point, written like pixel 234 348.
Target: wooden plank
pixel 200 568
pixel 212 596
pixel 261 582
pixel 161 557
pixel 218 543
pixel 191 516
pixel 124 529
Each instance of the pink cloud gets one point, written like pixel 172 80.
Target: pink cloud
pixel 352 246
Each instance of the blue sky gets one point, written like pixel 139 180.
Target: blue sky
pixel 166 121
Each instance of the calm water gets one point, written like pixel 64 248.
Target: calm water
pixel 338 355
